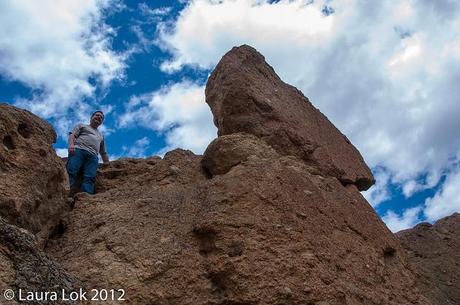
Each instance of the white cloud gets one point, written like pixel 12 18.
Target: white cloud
pixel 410 187
pixel 379 192
pixel 60 49
pixel 408 219
pixel 224 24
pixel 154 14
pixel 61 152
pixel 386 74
pixel 446 201
pixel 179 111
pixel 137 150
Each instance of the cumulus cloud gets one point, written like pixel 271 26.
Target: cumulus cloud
pixel 61 50
pixel 446 201
pixel 385 73
pixel 408 219
pixel 224 24
pixel 178 111
pixel 379 192
pixel 138 149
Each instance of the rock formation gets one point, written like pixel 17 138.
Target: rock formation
pixel 32 179
pixel 246 95
pixel 435 251
pixel 271 214
pixel 24 266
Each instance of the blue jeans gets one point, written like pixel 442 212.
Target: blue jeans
pixel 89 162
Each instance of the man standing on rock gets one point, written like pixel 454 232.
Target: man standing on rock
pixel 85 143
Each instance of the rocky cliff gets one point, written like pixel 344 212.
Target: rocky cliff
pixel 270 214
pixel 435 251
pixel 32 179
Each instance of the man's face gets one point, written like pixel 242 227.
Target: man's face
pixel 97 119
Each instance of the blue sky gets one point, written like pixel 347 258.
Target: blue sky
pixel 386 74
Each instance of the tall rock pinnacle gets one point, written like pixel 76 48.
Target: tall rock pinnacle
pixel 246 95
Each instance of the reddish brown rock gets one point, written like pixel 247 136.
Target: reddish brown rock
pixel 32 179
pixel 252 222
pixel 228 151
pixel 246 95
pixel 268 231
pixel 24 266
pixel 435 251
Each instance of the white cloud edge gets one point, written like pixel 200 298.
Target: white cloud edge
pixel 178 111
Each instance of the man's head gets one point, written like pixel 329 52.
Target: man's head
pixel 96 119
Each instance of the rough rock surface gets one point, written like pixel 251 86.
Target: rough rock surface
pixel 435 251
pixel 246 95
pixel 228 151
pixel 268 231
pixel 32 180
pixel 24 266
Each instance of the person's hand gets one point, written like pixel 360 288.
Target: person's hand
pixel 71 150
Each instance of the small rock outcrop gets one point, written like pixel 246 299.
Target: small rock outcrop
pixel 246 95
pixel 32 179
pixel 435 251
pixel 226 152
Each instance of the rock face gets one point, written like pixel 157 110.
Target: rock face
pixel 24 266
pixel 228 151
pixel 435 250
pixel 246 95
pixel 268 231
pixel 32 179
pixel 271 214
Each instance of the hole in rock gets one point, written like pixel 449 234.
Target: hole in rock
pixel 220 280
pixel 37 204
pixel 236 249
pixel 8 142
pixel 389 252
pixel 24 130
pixel 57 231
pixel 207 238
pixel 206 172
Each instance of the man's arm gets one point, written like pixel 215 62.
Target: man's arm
pixel 71 141
pixel 105 157
pixel 72 135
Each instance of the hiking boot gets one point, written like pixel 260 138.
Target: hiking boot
pixel 73 190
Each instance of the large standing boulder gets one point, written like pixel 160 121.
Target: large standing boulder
pixel 246 95
pixel 32 178
pixel 435 251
